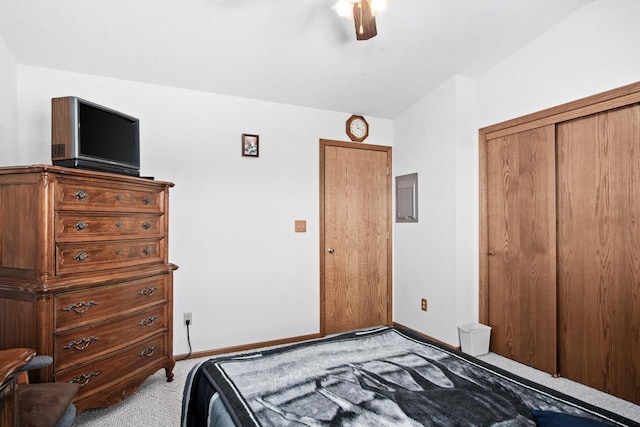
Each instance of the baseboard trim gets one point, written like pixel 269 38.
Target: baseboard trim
pixel 245 347
pixel 263 344
pixel 427 336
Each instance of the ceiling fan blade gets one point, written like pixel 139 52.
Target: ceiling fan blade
pixel 364 21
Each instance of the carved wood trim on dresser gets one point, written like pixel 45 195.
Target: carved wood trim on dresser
pixel 85 277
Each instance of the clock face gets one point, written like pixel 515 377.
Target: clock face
pixel 358 128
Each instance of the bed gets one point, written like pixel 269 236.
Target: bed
pixel 377 377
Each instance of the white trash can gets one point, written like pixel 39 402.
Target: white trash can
pixel 474 338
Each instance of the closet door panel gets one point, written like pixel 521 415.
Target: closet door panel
pixel 599 251
pixel 522 250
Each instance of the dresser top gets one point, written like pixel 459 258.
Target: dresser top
pixel 79 173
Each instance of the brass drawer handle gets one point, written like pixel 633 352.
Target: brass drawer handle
pixel 80 195
pixel 147 292
pixel 148 352
pixel 118 197
pixel 148 321
pixel 81 257
pixel 118 251
pixel 81 225
pixel 146 250
pixel 119 224
pixel 84 379
pixel 146 200
pixel 81 344
pixel 81 307
pixel 146 225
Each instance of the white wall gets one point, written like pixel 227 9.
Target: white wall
pixel 434 257
pixel 244 274
pixel 467 235
pixel 8 107
pixel 592 50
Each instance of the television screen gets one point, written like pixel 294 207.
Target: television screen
pixel 105 135
pixel 86 135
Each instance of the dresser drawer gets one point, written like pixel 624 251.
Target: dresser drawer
pixel 81 344
pixel 79 308
pixel 97 196
pixel 75 227
pixel 92 256
pixel 114 368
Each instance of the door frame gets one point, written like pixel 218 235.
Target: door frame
pixel 350 145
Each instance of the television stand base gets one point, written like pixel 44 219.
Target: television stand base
pixel 97 166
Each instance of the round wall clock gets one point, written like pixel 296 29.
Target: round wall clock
pixel 357 128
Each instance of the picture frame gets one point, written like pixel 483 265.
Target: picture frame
pixel 250 145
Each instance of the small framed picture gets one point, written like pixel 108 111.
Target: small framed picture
pixel 250 145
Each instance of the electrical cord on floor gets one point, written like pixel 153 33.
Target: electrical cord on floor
pixel 188 322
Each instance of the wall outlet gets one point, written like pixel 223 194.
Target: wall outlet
pixel 423 304
pixel 187 317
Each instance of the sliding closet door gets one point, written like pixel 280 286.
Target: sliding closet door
pixel 522 246
pixel 599 251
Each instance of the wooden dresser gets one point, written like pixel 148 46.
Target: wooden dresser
pixel 85 277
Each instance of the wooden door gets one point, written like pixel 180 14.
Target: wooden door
pixel 521 246
pixel 599 251
pixel 355 258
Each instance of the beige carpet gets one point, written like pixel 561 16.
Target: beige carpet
pixel 582 392
pixel 158 402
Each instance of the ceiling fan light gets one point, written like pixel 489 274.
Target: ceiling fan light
pixel 378 5
pixel 344 8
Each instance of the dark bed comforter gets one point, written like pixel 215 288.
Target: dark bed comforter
pixel 379 377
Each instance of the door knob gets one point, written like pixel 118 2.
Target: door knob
pixel 491 253
pixel 331 250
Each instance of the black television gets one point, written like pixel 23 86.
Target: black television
pixel 86 135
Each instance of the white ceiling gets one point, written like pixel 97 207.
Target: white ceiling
pixel 289 51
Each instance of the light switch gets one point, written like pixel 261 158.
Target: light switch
pixel 301 226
